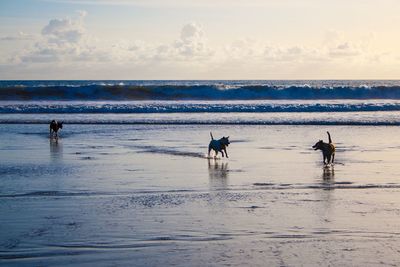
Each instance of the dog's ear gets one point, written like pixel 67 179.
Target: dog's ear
pixel 227 137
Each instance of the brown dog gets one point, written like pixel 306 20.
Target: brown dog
pixel 54 127
pixel 328 150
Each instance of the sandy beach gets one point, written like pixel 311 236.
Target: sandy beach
pixel 146 195
pixel 138 89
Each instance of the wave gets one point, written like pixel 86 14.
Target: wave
pixel 197 90
pixel 325 186
pixel 157 197
pixel 331 119
pixel 46 194
pixel 265 106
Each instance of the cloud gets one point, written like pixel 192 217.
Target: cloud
pixel 18 37
pixel 338 46
pixel 66 45
pixel 66 41
pixel 243 49
pixel 65 30
pixel 192 43
pixel 190 46
pixel 192 31
pixel 63 41
pixel 249 51
pixel 344 50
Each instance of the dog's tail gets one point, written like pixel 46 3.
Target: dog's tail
pixel 212 137
pixel 329 136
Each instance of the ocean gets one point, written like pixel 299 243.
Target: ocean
pixel 184 102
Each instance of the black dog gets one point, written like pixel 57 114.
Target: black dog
pixel 218 145
pixel 54 127
pixel 328 150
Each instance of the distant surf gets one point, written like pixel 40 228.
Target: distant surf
pixel 197 90
pixel 182 106
pixel 202 102
pixel 381 118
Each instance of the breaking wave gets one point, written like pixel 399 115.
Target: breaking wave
pixel 250 106
pixel 197 90
pixel 202 102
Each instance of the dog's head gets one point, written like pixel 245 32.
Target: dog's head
pixel 225 141
pixel 318 145
pixel 60 124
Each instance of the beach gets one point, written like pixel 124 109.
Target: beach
pixel 199 133
pixel 147 195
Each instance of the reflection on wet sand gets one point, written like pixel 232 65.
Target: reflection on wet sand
pixel 218 174
pixel 326 195
pixel 328 175
pixel 55 149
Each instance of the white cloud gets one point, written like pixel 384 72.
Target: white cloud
pixel 192 31
pixel 344 50
pixel 17 37
pixel 66 41
pixel 192 43
pixel 65 30
pixel 243 49
pixel 66 44
pixel 63 41
pixel 249 50
pixel 340 47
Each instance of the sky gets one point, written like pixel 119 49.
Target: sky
pixel 203 39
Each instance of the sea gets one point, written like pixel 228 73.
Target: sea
pixel 322 102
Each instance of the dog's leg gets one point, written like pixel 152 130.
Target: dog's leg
pixel 328 159
pixel 333 158
pixel 226 153
pixel 216 153
pixel 222 152
pixel 209 150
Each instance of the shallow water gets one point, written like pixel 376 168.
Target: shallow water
pixel 147 195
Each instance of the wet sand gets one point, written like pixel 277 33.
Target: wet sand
pixel 146 195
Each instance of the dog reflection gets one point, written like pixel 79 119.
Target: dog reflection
pixel 328 175
pixel 55 149
pixel 218 173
